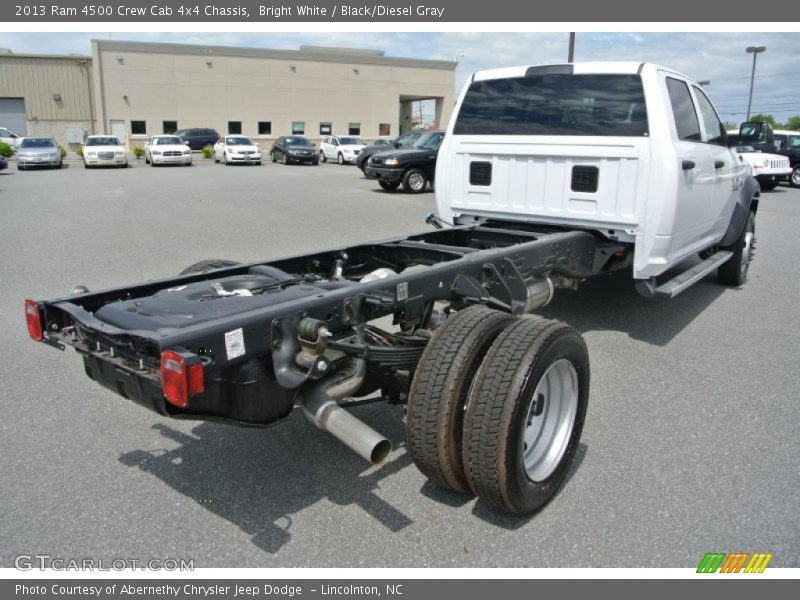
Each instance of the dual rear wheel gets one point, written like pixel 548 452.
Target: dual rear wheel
pixel 497 406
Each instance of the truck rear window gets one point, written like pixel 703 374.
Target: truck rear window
pixel 604 105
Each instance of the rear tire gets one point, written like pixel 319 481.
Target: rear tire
pixel 272 155
pixel 285 160
pixel 734 271
pixel 415 181
pixel 525 414
pixel 389 186
pixel 209 265
pixel 435 411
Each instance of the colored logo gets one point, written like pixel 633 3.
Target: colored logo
pixel 735 562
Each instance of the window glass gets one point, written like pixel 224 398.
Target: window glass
pixel 385 129
pixel 349 141
pixel 686 123
pixel 138 128
pixel 235 127
pixel 607 105
pixel 297 141
pixel 169 127
pixel 298 127
pixel 166 140
pixel 37 143
pixel 325 128
pixel 715 132
pixel 264 127
pixel 103 141
pixel 239 140
pixel 354 129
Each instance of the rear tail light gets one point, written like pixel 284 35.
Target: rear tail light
pixel 181 377
pixel 33 317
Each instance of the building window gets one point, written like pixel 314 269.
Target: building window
pixel 384 129
pixel 325 128
pixel 265 128
pixel 234 127
pixel 169 126
pixel 298 127
pixel 138 128
pixel 354 129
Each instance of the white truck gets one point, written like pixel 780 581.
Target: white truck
pixel 548 175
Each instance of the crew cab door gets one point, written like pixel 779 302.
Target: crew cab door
pixel 697 174
pixel 728 170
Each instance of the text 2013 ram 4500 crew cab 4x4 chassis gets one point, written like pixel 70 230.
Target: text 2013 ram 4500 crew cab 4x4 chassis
pixel 547 175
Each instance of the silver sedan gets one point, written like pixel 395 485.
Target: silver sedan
pixel 38 152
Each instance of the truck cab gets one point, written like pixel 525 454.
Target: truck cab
pixel 634 152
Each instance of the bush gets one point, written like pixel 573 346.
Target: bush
pixel 138 152
pixel 6 151
pixel 63 152
pixel 208 151
pixel 79 151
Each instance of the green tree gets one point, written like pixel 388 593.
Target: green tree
pixel 765 119
pixel 793 123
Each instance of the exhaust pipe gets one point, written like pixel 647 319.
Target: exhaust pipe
pixel 319 404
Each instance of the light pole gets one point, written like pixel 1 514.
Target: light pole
pixel 571 50
pixel 754 50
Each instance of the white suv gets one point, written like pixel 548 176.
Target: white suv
pixel 341 148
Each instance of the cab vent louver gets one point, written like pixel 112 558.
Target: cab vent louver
pixel 584 179
pixel 480 173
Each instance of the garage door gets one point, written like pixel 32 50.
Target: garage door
pixel 12 115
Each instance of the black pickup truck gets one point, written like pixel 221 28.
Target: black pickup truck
pixel 413 166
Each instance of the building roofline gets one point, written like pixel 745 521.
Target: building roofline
pixel 52 56
pixel 309 53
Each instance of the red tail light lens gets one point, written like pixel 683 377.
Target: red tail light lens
pixel 179 380
pixel 33 317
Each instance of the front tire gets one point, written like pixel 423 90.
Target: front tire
pixel 415 181
pixel 322 156
pixel 340 158
pixel 794 178
pixel 389 186
pixel 525 414
pixel 734 271
pixel 435 411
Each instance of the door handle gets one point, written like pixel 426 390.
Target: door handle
pixel 718 164
pixel 687 165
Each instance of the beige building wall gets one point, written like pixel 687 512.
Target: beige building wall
pixel 201 86
pixel 38 79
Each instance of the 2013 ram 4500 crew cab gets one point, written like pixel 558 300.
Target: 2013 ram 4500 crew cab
pixel 547 175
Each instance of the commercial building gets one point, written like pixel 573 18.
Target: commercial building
pixel 136 89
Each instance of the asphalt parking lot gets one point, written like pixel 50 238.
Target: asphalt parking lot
pixel 690 445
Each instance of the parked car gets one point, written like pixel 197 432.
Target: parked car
pixel 9 137
pixel 787 143
pixel 780 141
pixel 167 150
pixel 294 148
pixel 38 152
pixel 198 138
pixel 341 148
pixel 414 167
pixel 236 149
pixel 768 169
pixel 104 151
pixel 383 144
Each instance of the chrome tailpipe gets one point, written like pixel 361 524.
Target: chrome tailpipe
pixel 318 401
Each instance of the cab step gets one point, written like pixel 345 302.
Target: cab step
pixel 673 287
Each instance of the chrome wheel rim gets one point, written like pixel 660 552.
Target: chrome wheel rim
pixel 550 420
pixel 796 177
pixel 416 181
pixel 341 159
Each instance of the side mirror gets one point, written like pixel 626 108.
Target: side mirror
pixel 753 133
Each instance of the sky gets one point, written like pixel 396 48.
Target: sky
pixel 716 57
